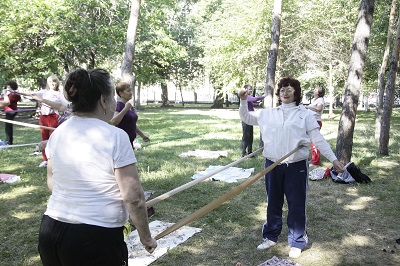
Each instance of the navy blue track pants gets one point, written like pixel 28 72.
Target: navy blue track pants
pixel 290 180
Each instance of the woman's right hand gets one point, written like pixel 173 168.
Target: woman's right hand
pixel 150 246
pixel 242 93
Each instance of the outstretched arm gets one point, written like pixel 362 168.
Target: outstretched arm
pixel 140 133
pixel 249 118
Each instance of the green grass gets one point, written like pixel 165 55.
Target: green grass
pixel 347 224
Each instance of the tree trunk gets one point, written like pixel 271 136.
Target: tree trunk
pixel 388 103
pixel 273 54
pixel 138 107
pixel 126 68
pixel 331 90
pixel 382 71
pixel 226 100
pixel 344 143
pixel 164 95
pixel 219 99
pixel 181 93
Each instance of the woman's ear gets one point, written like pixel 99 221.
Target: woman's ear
pixel 103 102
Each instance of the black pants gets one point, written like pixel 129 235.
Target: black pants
pixel 80 244
pixel 247 139
pixel 9 128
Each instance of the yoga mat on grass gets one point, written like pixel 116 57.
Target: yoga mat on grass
pixel 230 175
pixel 138 256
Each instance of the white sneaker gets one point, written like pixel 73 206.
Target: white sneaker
pixel 43 164
pixel 266 244
pixel 294 252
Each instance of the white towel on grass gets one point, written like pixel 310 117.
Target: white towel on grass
pixel 230 175
pixel 138 256
pixel 204 154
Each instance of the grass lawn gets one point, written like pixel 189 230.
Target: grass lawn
pixel 347 224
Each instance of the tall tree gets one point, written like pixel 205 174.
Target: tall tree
pixel 126 68
pixel 344 143
pixel 382 71
pixel 390 91
pixel 273 53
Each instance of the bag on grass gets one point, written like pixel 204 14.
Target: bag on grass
pixel 356 173
pixel 351 174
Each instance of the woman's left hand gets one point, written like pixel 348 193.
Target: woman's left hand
pixel 338 166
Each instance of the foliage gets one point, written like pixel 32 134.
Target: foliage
pixel 360 219
pixel 233 34
pixel 186 41
pixel 44 37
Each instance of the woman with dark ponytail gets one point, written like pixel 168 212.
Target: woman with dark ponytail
pixel 94 181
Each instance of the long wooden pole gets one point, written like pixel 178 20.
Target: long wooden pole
pixel 25 124
pixel 19 145
pixel 198 180
pixel 230 194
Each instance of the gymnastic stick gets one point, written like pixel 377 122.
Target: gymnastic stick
pixel 198 180
pixel 21 110
pixel 26 124
pixel 19 145
pixel 215 203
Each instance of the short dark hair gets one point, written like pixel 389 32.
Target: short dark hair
pixel 12 84
pixel 84 88
pixel 321 91
pixel 248 87
pixel 289 81
pixel 121 86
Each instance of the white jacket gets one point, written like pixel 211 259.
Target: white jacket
pixel 284 128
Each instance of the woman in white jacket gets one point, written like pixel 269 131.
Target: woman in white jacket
pixel 283 129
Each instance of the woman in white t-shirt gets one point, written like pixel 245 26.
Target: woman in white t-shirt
pixel 94 181
pixel 317 106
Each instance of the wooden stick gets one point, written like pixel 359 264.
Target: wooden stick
pixel 26 124
pixel 19 145
pixel 215 203
pixel 198 180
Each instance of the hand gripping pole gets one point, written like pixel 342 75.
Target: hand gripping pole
pixel 217 202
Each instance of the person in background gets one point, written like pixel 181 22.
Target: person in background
pixel 317 106
pixel 283 129
pixel 247 130
pixel 10 104
pixel 52 102
pixel 125 116
pixel 94 181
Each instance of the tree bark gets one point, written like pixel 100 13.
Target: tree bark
pixel 382 71
pixel 164 95
pixel 138 105
pixel 219 99
pixel 344 143
pixel 126 68
pixel 331 90
pixel 388 103
pixel 273 54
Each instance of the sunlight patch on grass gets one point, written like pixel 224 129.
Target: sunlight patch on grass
pixel 321 255
pixel 356 240
pixel 260 212
pixel 221 135
pixel 358 204
pixel 17 192
pixel 23 215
